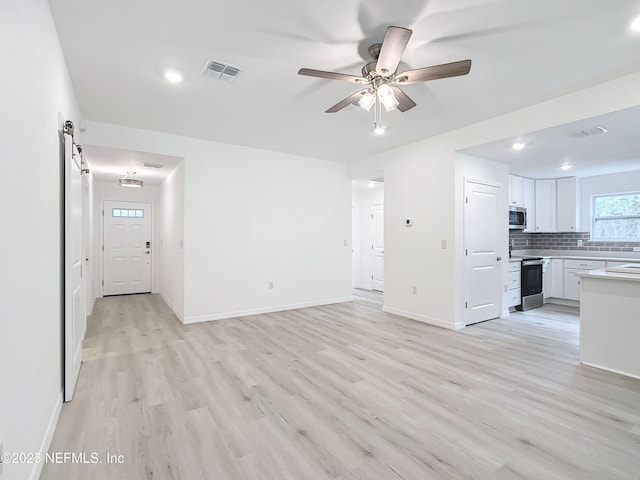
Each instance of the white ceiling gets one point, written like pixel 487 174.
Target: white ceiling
pixel 617 150
pixel 523 52
pixel 110 164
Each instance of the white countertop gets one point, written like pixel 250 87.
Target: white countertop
pixel 632 277
pixel 564 254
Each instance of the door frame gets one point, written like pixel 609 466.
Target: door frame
pixel 154 246
pixel 373 250
pixel 465 264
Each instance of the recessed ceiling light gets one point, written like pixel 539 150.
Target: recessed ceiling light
pixel 173 76
pixel 372 184
pixel 518 145
pixel 635 25
pixel 378 129
pixel 566 166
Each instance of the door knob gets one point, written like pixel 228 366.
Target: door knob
pixel 499 258
pixel 147 251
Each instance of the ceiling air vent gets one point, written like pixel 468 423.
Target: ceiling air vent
pixel 152 165
pixel 589 132
pixel 220 70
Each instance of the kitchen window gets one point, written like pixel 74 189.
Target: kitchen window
pixel 615 217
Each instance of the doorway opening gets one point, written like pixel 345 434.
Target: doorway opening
pixel 368 240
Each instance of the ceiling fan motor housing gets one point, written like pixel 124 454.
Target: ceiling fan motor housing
pixel 369 68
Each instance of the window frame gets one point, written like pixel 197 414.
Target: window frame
pixel 593 218
pixel 128 210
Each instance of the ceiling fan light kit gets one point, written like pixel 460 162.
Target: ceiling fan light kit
pixel 382 80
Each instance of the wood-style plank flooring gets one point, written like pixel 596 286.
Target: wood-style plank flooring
pixel 343 392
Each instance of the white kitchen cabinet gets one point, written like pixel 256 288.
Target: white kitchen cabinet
pixel 572 283
pixel 546 278
pixel 529 202
pixel 516 191
pixel 513 284
pixel 567 204
pixel 572 269
pixel 556 288
pixel 545 206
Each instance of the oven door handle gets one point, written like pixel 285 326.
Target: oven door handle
pixel 529 263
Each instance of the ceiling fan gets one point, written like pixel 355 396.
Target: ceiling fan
pixel 381 80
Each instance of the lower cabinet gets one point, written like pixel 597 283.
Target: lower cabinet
pixel 513 285
pixel 556 281
pixel 561 278
pixel 572 283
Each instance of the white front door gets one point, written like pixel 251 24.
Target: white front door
pixel 482 262
pixel 377 226
pixel 127 248
pixel 74 316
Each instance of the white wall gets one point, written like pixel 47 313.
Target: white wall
pixel 253 216
pixel 35 91
pixel 602 184
pixel 363 201
pixel 420 181
pixel 170 240
pixel 112 191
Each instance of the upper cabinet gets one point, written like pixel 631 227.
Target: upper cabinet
pixel 522 194
pixel 567 197
pixel 546 220
pixel 529 203
pixel 516 191
pixel 556 205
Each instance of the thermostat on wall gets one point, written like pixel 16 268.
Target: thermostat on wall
pixel 408 222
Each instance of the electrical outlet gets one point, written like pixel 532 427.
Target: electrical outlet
pixel 345 243
pixel 270 285
pixel 414 289
pixel 579 243
pixel 443 244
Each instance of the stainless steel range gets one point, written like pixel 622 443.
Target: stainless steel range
pixel 531 283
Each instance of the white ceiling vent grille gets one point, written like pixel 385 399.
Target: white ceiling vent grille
pixel 220 70
pixel 152 165
pixel 589 132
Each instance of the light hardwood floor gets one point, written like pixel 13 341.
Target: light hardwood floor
pixel 343 392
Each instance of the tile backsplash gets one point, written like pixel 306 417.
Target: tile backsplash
pixel 566 241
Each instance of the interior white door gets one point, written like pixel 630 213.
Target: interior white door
pixel 127 248
pixel 377 228
pixel 482 262
pixel 73 293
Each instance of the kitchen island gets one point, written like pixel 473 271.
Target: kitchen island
pixel 610 321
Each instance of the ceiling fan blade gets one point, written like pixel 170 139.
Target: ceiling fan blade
pixel 347 101
pixel 445 70
pixel 393 46
pixel 404 102
pixel 331 75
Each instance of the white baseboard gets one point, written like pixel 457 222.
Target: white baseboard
pixel 48 437
pixel 258 311
pixel 363 286
pixel 173 309
pixel 612 370
pixel 422 318
pixel 563 301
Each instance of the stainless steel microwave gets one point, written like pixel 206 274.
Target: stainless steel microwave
pixel 517 218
